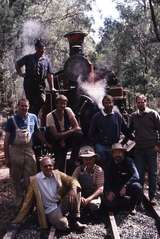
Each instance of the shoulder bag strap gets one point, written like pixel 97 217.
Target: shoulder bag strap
pixel 56 122
pixel 14 121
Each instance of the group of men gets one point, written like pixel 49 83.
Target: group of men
pixel 104 171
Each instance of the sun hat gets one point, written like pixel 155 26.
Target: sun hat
pixel 86 151
pixel 117 146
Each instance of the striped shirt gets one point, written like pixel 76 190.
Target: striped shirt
pixel 97 175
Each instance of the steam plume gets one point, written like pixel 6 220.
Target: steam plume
pixel 96 90
pixel 32 30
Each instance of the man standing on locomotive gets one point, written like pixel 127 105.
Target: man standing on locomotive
pixel 65 133
pixel 106 127
pixel 145 123
pixel 37 69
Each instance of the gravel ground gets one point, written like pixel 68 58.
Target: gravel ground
pixel 140 226
pixel 7 208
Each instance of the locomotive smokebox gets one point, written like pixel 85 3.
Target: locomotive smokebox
pixel 75 39
pixel 77 66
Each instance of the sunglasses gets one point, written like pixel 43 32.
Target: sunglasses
pixel 48 166
pixel 88 158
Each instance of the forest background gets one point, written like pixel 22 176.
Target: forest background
pixel 129 45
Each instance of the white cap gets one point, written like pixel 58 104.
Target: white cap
pixel 87 151
pixel 118 146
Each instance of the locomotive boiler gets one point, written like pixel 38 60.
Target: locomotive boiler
pixel 77 70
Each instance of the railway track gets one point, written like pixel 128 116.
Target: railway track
pixel 96 230
pixel 154 211
pixel 111 230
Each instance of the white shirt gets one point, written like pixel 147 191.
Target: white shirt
pixel 49 191
pixel 50 120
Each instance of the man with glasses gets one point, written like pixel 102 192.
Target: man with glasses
pixel 55 195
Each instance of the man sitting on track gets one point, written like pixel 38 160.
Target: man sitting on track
pixel 55 195
pixel 91 179
pixel 122 180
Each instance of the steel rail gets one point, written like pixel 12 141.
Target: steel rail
pixel 114 227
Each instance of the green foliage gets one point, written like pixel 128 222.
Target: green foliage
pixel 129 47
pixel 55 18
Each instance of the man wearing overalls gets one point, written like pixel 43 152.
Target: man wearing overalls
pixel 91 179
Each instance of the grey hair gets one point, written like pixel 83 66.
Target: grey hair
pixel 48 156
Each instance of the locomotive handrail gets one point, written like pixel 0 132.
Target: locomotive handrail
pixel 87 98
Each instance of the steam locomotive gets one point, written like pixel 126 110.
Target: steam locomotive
pixel 77 70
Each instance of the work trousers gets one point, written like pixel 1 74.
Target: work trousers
pixel 58 217
pixel 146 160
pixel 133 190
pixel 23 165
pixel 73 142
pixel 105 154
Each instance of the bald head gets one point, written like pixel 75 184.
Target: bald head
pixel 47 165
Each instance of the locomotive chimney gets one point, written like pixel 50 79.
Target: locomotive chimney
pixel 75 39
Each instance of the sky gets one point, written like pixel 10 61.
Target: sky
pixel 102 9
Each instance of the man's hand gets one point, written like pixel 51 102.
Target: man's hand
pixel 157 148
pixel 76 129
pixel 54 90
pixel 84 201
pixel 22 74
pixel 123 191
pixel 110 196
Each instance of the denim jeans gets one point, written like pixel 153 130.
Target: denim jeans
pixel 147 159
pixel 133 190
pixel 105 154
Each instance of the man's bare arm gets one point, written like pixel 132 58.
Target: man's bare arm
pixel 19 71
pixel 50 80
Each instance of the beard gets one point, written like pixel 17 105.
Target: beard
pixel 118 159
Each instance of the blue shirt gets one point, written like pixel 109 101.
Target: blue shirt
pixel 106 128
pixel 118 175
pixel 22 123
pixel 36 70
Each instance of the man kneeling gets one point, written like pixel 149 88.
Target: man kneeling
pixel 122 180
pixel 91 179
pixel 56 195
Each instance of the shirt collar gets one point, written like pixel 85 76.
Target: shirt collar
pixel 105 114
pixel 147 110
pixel 42 176
pixel 18 116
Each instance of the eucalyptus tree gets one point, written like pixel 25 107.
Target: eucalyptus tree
pixel 48 19
pixel 131 46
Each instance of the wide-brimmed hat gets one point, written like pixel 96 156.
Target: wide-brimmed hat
pixel 86 152
pixel 118 146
